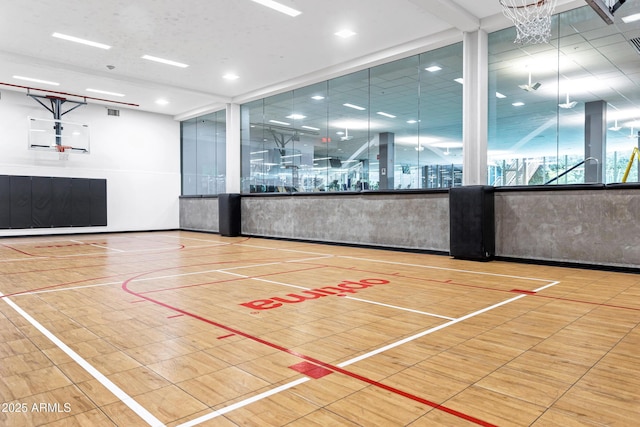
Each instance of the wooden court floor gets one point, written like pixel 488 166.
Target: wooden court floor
pixel 183 329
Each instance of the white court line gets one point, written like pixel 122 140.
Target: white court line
pixel 282 249
pixel 242 403
pixel 354 360
pixel 446 269
pixel 117 391
pixel 199 240
pixel 427 332
pixel 95 245
pixel 169 276
pixel 46 291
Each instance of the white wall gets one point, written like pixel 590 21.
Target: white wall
pixel 138 153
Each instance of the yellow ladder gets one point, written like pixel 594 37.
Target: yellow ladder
pixel 633 155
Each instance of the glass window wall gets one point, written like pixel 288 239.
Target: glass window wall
pixel 565 112
pixel 394 126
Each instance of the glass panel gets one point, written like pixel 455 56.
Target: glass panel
pixel 440 124
pixel 189 156
pixel 204 154
pixel 311 106
pixel 394 89
pixel 348 139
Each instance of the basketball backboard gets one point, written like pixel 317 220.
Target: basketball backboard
pixel 50 135
pixel 605 8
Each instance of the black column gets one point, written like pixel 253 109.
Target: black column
pixel 229 215
pixel 472 222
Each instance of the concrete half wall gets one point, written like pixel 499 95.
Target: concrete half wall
pixel 592 224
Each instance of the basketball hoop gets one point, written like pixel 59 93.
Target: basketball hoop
pixel 532 20
pixel 63 154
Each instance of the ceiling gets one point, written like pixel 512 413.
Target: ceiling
pixel 272 52
pixel 268 50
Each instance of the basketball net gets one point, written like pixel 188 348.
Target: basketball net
pixel 63 154
pixel 532 20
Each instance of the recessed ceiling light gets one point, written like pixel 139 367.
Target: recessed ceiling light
pixel 382 113
pixel 518 104
pixel 279 122
pixel 317 97
pixel 164 61
pixel 279 7
pixel 499 95
pixel 231 76
pixel 81 41
pixel 30 79
pixel 162 102
pixel 433 68
pixel 459 80
pixel 356 107
pixel 295 116
pixel 345 33
pixel 631 18
pixel 310 128
pixel 104 92
pixel 411 122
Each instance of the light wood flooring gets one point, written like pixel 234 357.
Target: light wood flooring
pixel 181 328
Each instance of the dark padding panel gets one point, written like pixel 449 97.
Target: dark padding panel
pixel 98 188
pixel 21 202
pixel 472 222
pixel 5 201
pixel 41 201
pixel 61 202
pixel 80 202
pixel 229 215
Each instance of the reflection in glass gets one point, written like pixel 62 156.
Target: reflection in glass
pixel 380 128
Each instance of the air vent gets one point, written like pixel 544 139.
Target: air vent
pixel 636 43
pixel 112 112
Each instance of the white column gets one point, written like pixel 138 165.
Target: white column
pixel 475 107
pixel 233 149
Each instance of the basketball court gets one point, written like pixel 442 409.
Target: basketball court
pixel 182 329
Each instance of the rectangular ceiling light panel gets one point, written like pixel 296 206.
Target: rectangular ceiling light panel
pixel 278 7
pixel 81 41
pixel 164 61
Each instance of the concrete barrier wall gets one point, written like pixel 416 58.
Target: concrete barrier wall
pixel 590 226
pixel 199 214
pixel 594 225
pixel 409 220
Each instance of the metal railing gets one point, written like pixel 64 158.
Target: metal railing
pixel 572 168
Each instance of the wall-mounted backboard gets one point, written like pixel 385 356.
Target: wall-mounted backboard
pixel 51 135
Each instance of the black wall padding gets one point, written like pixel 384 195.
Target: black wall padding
pixel 472 222
pixel 61 202
pixel 21 202
pixel 5 201
pixel 41 201
pixel 80 202
pixel 98 202
pixel 229 214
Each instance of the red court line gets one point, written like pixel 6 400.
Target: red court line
pixel 125 287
